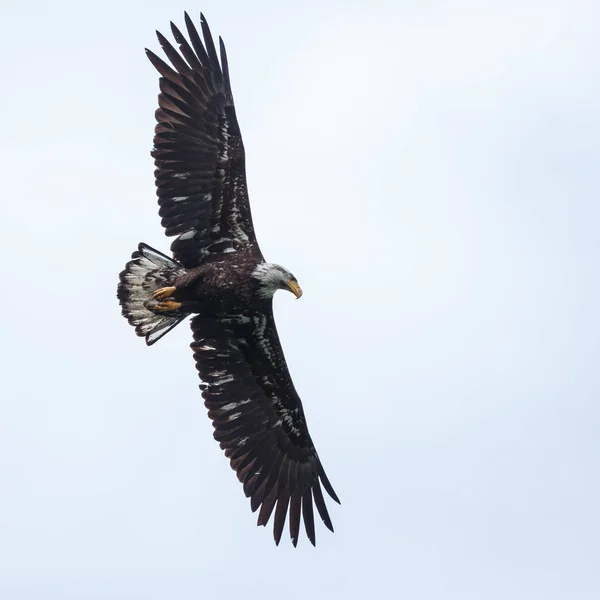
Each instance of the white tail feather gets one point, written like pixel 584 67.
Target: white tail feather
pixel 147 271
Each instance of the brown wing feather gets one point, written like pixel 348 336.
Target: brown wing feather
pixel 259 421
pixel 198 150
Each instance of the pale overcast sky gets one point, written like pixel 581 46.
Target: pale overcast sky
pixel 430 173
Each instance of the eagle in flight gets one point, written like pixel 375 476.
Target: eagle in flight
pixel 219 276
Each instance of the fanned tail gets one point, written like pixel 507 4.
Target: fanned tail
pixel 147 271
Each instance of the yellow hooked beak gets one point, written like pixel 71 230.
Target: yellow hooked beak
pixel 295 288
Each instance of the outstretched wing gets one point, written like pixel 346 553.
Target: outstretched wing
pixel 259 421
pixel 198 150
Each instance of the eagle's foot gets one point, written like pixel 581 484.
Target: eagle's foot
pixel 165 292
pixel 166 306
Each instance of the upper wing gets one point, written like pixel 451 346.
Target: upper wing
pixel 198 150
pixel 259 421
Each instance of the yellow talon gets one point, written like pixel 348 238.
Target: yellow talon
pixel 166 306
pixel 163 293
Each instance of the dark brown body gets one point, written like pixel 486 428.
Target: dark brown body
pixel 219 286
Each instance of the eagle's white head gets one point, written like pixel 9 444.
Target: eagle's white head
pixel 272 277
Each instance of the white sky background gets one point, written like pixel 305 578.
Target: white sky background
pixel 430 172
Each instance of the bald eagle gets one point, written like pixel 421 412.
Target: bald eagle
pixel 218 275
